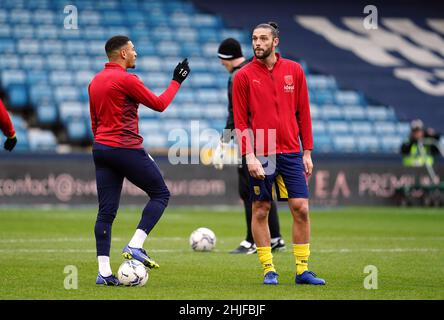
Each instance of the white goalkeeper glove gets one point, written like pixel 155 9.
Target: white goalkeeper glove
pixel 219 153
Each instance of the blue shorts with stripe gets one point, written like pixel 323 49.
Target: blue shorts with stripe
pixel 284 176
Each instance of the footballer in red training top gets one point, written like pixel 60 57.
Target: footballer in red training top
pixel 114 96
pixel 270 96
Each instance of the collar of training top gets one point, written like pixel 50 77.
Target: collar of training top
pixel 114 65
pixel 256 60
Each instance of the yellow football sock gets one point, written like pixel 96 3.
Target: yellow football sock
pixel 266 259
pixel 301 253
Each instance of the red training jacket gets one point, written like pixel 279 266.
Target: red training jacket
pixel 114 97
pixel 5 122
pixel 276 99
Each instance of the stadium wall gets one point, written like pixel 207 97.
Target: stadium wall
pixel 70 180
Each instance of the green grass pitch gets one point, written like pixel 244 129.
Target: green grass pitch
pixel 406 246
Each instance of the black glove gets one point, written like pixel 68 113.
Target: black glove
pixel 181 71
pixel 10 143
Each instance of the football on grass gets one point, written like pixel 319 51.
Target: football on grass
pixel 132 273
pixel 202 239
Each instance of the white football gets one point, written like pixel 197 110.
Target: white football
pixel 202 239
pixel 132 273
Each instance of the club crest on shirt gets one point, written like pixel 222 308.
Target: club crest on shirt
pixel 289 86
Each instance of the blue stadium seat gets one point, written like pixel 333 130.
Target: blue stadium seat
pixel 150 126
pixel 207 96
pixel 380 113
pixel 52 47
pixel 77 129
pixel 23 31
pixel 162 34
pixel 41 140
pixel 28 46
pixel 149 63
pixel 76 47
pixel 344 143
pixel 319 127
pixel 35 77
pixel 76 63
pixel 3 16
pixel 134 17
pixel 33 62
pixel 240 35
pixel 43 16
pixel 18 95
pixel 203 80
pixel 403 129
pixel 62 78
pixel 391 143
pixel 199 64
pixel 214 110
pixel 89 17
pixel 385 127
pixel 40 93
pixel 66 93
pixel 322 143
pixel 9 61
pixel 323 97
pixel 331 112
pixel 168 48
pixel 56 62
pixel 156 141
pixel 338 127
pixel 354 112
pixel 113 18
pixel 208 35
pixel 348 97
pixel 17 16
pixel 5 31
pixel 190 49
pixel 210 49
pixel 361 128
pixel 368 143
pixel 181 20
pixel 95 33
pixel 70 34
pixel 70 110
pixel 7 46
pixel 46 32
pixel 206 20
pixel 156 79
pixel 46 114
pixel 83 77
pixel 189 111
pixel 322 82
pixel 9 77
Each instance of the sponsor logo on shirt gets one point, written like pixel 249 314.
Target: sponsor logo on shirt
pixel 289 86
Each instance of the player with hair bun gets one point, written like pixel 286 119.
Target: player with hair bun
pixel 270 98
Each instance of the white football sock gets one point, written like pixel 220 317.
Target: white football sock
pixel 104 266
pixel 138 239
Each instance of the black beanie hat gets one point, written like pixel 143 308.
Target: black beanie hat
pixel 229 49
